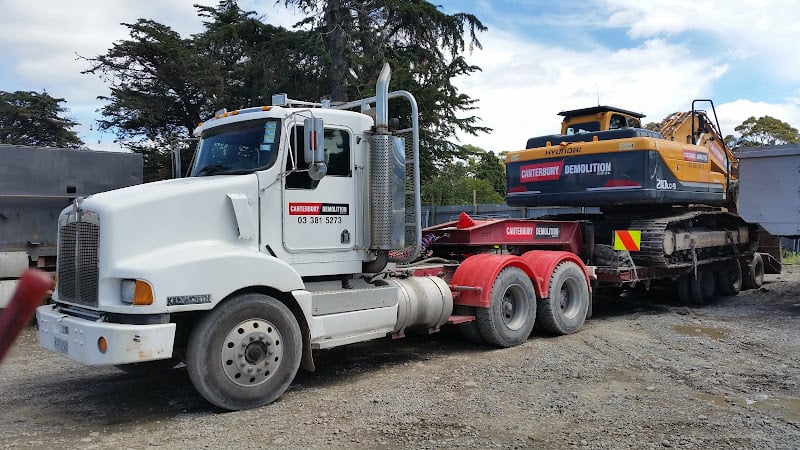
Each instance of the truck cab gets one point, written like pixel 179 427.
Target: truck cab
pixel 308 220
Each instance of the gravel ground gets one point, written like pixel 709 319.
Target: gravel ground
pixel 639 374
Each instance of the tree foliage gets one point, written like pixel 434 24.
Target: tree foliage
pixel 425 48
pixel 477 175
pixel 765 130
pixel 163 84
pixel 653 126
pixel 486 165
pixel 32 118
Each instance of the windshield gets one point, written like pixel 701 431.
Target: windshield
pixel 584 127
pixel 239 148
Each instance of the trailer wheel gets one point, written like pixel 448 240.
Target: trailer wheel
pixel 729 281
pixel 149 367
pixel 753 277
pixel 564 310
pixel 702 288
pixel 469 330
pixel 245 353
pixel 509 319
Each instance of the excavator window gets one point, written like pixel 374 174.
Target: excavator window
pixel 584 127
pixel 617 121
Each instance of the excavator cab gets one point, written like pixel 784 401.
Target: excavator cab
pixel 598 118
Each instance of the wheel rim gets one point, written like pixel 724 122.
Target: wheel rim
pixel 251 352
pixel 514 307
pixel 568 298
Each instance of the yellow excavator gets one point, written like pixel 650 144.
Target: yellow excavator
pixel 675 188
pixel 603 157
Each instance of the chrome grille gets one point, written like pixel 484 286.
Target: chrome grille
pixel 77 262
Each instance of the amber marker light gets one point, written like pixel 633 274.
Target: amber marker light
pixel 102 344
pixel 143 293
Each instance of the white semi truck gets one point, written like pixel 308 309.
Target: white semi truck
pixel 293 233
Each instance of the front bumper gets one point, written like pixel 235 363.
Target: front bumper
pixel 77 339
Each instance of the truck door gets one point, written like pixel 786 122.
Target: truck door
pixel 319 215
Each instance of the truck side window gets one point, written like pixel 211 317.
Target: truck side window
pixel 337 152
pixel 337 157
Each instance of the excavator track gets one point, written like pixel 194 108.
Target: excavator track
pixel 692 238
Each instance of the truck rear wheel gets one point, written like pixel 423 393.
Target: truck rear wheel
pixel 753 277
pixel 509 319
pixel 729 280
pixel 245 353
pixel 564 310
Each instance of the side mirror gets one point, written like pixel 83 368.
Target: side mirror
pixel 314 140
pixel 176 161
pixel 175 152
pixel 314 148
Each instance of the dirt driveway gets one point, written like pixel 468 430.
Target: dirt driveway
pixel 639 374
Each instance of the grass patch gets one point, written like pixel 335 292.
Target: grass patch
pixel 791 258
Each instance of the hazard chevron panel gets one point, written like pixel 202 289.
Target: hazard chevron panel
pixel 630 240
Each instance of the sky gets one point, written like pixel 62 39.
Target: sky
pixel 538 57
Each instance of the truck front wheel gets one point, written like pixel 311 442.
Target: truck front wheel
pixel 245 353
pixel 564 310
pixel 509 319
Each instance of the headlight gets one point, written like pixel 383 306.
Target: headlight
pixel 137 292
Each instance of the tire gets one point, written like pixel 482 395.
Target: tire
pixel 469 330
pixel 753 277
pixel 509 319
pixel 565 309
pixel 703 288
pixel 245 353
pixel 729 281
pixel 149 367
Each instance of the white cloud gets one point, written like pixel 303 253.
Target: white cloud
pixel 524 82
pixel 524 85
pixel 757 32
pixel 734 113
pixel 679 50
pixel 40 45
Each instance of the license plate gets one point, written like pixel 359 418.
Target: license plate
pixel 62 345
